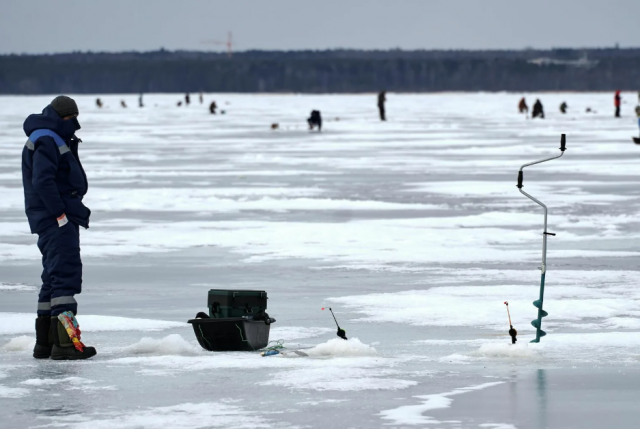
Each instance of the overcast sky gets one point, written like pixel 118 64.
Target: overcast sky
pixel 45 26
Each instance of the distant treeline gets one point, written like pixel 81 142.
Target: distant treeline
pixel 322 71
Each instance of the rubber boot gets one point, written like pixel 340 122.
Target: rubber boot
pixel 63 348
pixel 44 342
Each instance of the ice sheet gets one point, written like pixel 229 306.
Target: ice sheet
pixel 412 229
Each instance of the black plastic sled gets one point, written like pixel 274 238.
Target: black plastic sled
pixel 231 334
pixel 237 321
pixel 636 140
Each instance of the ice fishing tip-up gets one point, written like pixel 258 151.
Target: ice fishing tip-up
pixel 341 332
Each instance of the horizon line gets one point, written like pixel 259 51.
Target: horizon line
pixel 240 52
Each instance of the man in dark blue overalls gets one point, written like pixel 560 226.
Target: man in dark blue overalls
pixel 54 184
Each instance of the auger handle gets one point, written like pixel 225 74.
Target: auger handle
pixel 563 147
pixel 520 179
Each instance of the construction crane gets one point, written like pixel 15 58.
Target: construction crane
pixel 228 43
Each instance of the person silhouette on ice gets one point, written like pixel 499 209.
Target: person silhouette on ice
pixel 522 106
pixel 315 120
pixel 538 110
pixel 563 107
pixel 382 98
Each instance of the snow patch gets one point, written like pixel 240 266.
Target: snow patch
pixel 20 344
pixel 183 416
pixel 507 351
pixel 337 347
pixel 173 344
pixel 497 426
pixel 290 333
pixel 598 347
pixel 209 200
pixel 614 306
pixel 54 381
pixel 12 392
pixel 325 401
pixel 456 359
pixel 341 379
pixel 413 414
pixel 22 323
pixel 449 342
pixel 17 287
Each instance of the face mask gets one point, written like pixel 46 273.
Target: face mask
pixel 69 127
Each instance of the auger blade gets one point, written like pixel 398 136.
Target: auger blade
pixel 539 333
pixel 543 313
pixel 535 323
pixel 537 304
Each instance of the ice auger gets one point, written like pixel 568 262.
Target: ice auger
pixel 537 323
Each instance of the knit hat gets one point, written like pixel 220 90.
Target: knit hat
pixel 64 106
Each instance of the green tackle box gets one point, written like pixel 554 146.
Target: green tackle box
pixel 236 303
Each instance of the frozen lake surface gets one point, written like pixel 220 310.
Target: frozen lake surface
pixel 411 230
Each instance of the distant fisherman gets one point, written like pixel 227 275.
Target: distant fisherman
pixel 140 103
pixel 99 103
pixel 212 107
pixel 315 120
pixel 616 102
pixel 54 185
pixel 201 98
pixel 563 107
pixel 638 114
pixel 187 99
pixel 382 98
pixel 538 110
pixel 522 106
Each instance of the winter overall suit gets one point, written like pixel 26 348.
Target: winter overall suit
pixel 54 184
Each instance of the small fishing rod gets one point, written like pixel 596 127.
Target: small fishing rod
pixel 341 332
pixel 508 314
pixel 512 331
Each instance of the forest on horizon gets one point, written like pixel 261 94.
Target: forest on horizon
pixel 330 71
